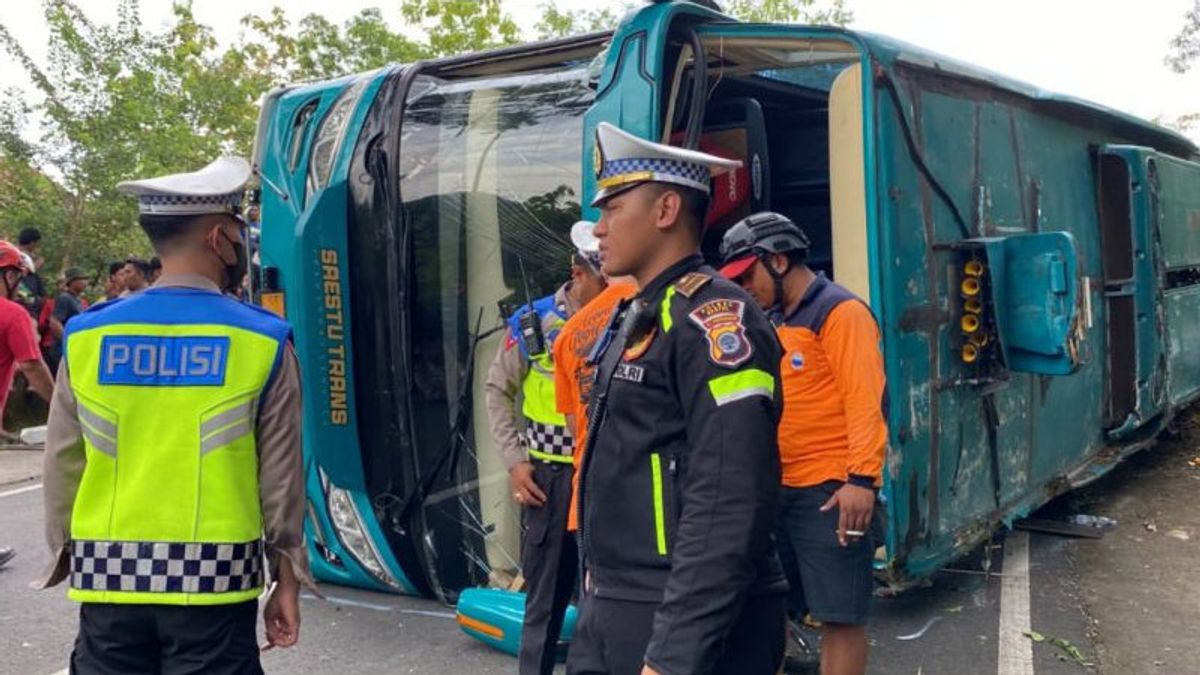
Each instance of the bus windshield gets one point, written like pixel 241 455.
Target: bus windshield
pixel 489 177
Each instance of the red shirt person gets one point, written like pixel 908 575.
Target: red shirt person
pixel 18 340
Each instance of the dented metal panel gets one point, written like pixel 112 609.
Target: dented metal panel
pixel 1183 348
pixel 1180 211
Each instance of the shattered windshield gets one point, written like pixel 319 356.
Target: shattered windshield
pixel 489 175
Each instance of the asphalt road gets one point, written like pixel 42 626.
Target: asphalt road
pixel 964 622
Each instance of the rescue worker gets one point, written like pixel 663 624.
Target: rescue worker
pixel 680 477
pixel 572 372
pixel 536 447
pixel 833 435
pixel 173 461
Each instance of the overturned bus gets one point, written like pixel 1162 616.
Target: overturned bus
pixel 1032 260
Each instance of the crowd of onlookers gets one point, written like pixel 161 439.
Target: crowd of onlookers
pixel 51 306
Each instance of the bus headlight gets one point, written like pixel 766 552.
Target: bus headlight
pixel 352 534
pixel 328 140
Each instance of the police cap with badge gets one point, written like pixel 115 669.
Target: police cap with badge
pixel 623 161
pixel 217 188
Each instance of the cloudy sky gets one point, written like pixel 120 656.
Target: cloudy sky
pixel 1109 51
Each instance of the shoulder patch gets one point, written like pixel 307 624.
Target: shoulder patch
pixel 721 321
pixel 691 282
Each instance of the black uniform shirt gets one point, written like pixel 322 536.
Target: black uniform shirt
pixel 680 481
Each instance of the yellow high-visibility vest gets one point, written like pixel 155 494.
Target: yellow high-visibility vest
pixel 168 384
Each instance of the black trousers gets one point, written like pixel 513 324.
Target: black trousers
pixel 549 558
pixel 612 635
pixel 166 640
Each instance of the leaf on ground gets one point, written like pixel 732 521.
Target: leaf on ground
pixel 1067 648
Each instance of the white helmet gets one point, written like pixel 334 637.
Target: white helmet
pixel 587 246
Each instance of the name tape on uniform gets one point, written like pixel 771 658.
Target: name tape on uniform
pixel 164 361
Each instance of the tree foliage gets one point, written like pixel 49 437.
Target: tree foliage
pixel 120 101
pixel 1185 46
pixel 833 12
pixel 556 23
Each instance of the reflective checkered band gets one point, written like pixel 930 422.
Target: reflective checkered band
pixel 548 438
pixel 666 170
pixel 165 567
pixel 190 204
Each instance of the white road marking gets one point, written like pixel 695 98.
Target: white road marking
pixel 22 490
pixel 349 603
pixel 425 612
pixel 1016 650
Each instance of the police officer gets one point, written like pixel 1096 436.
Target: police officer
pixel 833 435
pixel 681 474
pixel 536 447
pixel 173 461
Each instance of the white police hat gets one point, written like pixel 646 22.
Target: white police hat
pixel 217 188
pixel 623 160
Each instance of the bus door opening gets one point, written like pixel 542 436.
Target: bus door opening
pixel 792 110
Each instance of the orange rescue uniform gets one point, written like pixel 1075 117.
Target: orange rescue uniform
pixel 573 375
pixel 834 424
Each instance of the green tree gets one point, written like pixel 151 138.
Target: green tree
pixel 1185 46
pixel 274 49
pixel 121 101
pixel 460 26
pixel 833 12
pixel 556 23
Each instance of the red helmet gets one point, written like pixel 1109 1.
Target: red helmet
pixel 11 256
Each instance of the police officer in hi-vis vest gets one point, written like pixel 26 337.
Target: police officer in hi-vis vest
pixel 173 471
pixel 537 450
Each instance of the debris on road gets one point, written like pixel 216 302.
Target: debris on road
pixel 1181 535
pixel 1093 521
pixel 34 435
pixel 1086 530
pixel 1067 648
pixel 1150 526
pixel 917 635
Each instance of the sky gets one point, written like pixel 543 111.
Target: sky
pixel 1107 51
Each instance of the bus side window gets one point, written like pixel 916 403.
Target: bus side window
pixel 299 129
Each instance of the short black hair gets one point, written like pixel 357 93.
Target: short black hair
pixel 694 204
pixel 139 264
pixel 115 266
pixel 29 235
pixel 164 230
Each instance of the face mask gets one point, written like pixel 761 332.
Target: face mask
pixel 235 272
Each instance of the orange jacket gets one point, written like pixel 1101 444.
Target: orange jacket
pixel 834 424
pixel 573 374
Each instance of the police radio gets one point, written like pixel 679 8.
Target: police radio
pixel 530 323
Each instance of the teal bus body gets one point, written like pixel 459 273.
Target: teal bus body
pixel 1033 261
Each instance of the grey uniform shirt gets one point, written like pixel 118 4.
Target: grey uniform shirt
pixel 503 387
pixel 280 463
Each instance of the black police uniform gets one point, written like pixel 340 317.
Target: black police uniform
pixel 679 486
